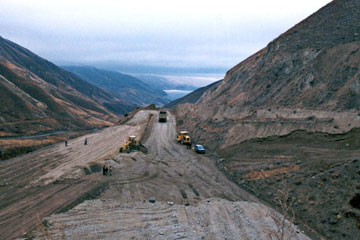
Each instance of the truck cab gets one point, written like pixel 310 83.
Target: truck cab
pixel 162 116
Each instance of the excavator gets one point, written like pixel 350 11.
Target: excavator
pixel 184 137
pixel 130 144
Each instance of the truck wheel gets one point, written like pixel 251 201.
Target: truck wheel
pixel 128 150
pixel 121 150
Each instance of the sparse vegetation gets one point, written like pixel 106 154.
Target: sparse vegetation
pixel 47 235
pixel 285 206
pixel 323 184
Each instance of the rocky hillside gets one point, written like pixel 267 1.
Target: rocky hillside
pixel 286 120
pixel 308 78
pixel 124 86
pixel 37 96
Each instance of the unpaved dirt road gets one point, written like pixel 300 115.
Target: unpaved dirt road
pixel 168 172
pixel 53 178
pixel 193 199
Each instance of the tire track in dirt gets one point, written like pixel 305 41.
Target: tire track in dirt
pixel 52 178
pixel 178 181
pixel 210 219
pixel 168 172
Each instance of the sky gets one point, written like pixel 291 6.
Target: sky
pixel 158 33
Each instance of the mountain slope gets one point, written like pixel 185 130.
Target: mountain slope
pixel 123 86
pixel 38 96
pixel 286 120
pixel 301 80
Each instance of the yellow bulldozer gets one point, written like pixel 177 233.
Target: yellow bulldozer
pixel 130 144
pixel 184 137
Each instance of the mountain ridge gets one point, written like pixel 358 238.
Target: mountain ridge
pixel 38 96
pixel 124 86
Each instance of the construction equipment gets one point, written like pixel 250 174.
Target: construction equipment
pixel 181 135
pixel 184 137
pixel 186 140
pixel 162 116
pixel 130 144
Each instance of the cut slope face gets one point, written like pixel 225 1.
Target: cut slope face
pixel 301 80
pixel 124 86
pixel 38 96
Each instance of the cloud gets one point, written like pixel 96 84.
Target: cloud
pixel 158 32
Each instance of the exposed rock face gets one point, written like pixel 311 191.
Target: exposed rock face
pixel 38 96
pixel 308 79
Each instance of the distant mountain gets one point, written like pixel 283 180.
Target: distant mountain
pixel 173 90
pixel 194 96
pixel 163 83
pixel 38 96
pixel 124 86
pixel 158 70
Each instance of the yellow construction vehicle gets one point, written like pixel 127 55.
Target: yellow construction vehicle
pixel 186 140
pixel 130 144
pixel 183 137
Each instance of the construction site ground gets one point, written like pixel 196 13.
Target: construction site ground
pixel 166 192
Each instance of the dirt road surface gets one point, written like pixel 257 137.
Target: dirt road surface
pixel 168 172
pixel 209 219
pixel 192 199
pixel 53 178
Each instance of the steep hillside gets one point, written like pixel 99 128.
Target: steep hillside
pixel 286 119
pixel 124 86
pixel 308 78
pixel 38 96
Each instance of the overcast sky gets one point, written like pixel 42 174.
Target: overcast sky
pixel 186 33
